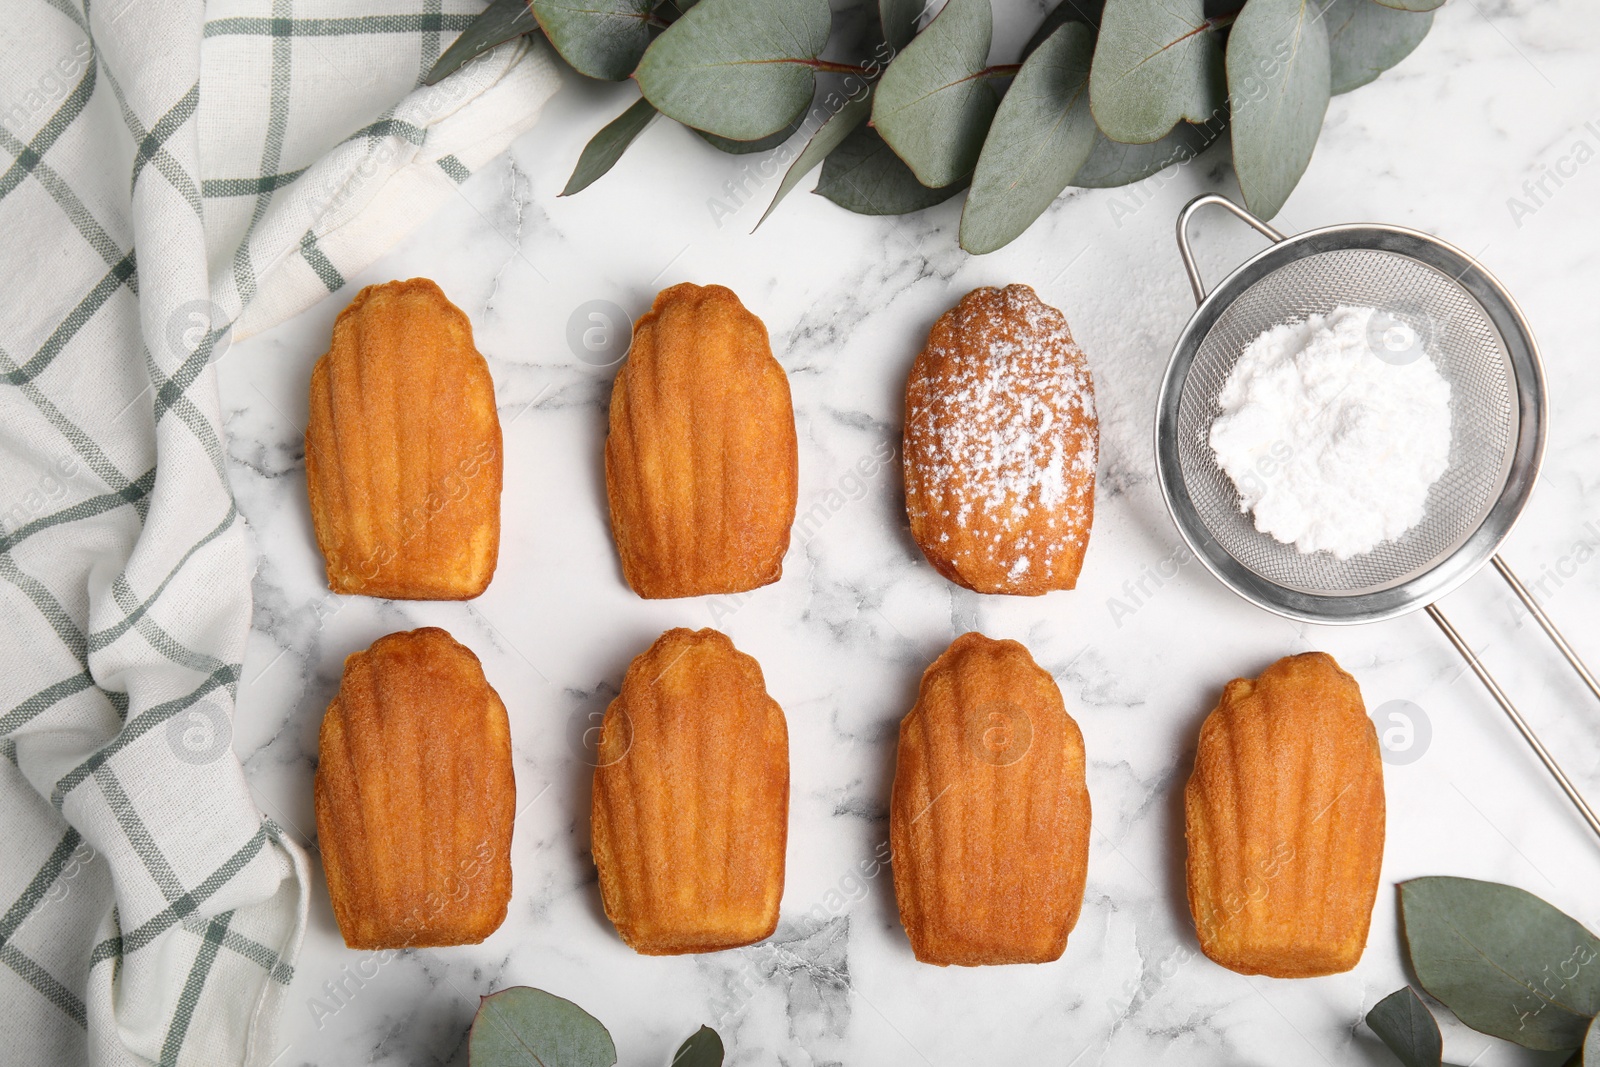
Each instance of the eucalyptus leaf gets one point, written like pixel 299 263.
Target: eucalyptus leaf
pixel 1084 11
pixel 600 38
pixel 829 136
pixel 741 69
pixel 865 176
pixel 1365 38
pixel 607 146
pixel 1504 961
pixel 1156 63
pixel 702 1049
pixel 1413 5
pixel 760 144
pixel 932 106
pixel 523 1025
pixel 501 21
pixel 1278 87
pixel 1406 1025
pixel 1041 135
pixel 899 19
pixel 1112 163
pixel 1591 1045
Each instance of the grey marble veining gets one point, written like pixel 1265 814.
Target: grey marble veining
pixel 1454 141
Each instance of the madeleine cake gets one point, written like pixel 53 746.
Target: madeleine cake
pixel 701 458
pixel 989 817
pixel 403 451
pixel 1284 816
pixel 691 799
pixel 1001 442
pixel 415 797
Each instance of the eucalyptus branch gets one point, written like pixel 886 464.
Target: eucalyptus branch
pixel 935 116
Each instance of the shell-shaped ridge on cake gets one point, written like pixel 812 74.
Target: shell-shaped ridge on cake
pixel 415 797
pixel 989 815
pixel 1284 816
pixel 691 799
pixel 1001 444
pixel 701 458
pixel 403 449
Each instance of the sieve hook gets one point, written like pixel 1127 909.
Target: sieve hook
pixel 1187 253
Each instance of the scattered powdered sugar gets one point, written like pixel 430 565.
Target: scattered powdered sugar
pixel 1001 433
pixel 1331 447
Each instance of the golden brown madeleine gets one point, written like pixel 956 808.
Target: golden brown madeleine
pixel 1001 443
pixel 415 797
pixel 989 821
pixel 701 461
pixel 691 799
pixel 1284 816
pixel 403 459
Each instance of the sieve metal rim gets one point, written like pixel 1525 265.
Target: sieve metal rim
pixel 1470 554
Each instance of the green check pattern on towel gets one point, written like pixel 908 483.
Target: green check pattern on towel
pixel 173 174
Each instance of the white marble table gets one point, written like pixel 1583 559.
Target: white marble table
pixel 1500 91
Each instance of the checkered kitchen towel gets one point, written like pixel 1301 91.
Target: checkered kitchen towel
pixel 170 169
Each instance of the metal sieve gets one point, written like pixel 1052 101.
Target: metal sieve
pixel 1434 298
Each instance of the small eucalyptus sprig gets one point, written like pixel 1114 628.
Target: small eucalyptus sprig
pixel 1505 962
pixel 1106 93
pixel 523 1025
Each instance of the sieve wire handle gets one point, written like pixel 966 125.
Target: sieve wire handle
pixel 1549 627
pixel 1195 281
pixel 1504 701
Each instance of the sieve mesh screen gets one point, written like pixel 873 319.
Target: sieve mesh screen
pixel 1463 344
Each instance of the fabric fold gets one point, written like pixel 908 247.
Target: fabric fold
pixel 173 175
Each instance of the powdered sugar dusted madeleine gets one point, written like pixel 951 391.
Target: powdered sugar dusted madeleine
pixel 1285 819
pixel 1001 443
pixel 701 461
pixel 415 796
pixel 691 799
pixel 989 818
pixel 403 455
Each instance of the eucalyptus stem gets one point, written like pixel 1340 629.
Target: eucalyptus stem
pixel 866 70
